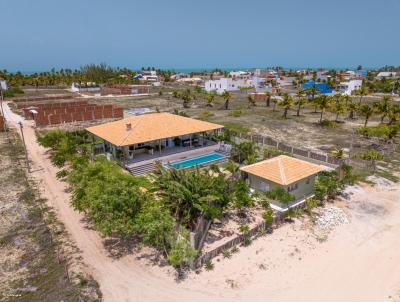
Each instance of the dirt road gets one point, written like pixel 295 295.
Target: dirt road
pixel 359 262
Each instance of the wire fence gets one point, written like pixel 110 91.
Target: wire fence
pixel 268 141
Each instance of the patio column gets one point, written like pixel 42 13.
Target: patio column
pixel 125 150
pixel 159 146
pixel 190 141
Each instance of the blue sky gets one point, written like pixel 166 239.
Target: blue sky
pixel 41 34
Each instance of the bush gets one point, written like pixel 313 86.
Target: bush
pixel 269 152
pixel 327 124
pixel 227 254
pixel 181 254
pixel 236 113
pixel 208 265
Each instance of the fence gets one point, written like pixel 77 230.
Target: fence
pixel 261 227
pixel 320 157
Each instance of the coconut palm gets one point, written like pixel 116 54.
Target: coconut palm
pixel 382 107
pixel 287 102
pixel 251 101
pixel 363 91
pixel 394 113
pixel 226 96
pixel 323 102
pixel 300 101
pixel 274 101
pixel 210 99
pixel 366 111
pixel 268 96
pixel 339 155
pixel 338 108
pixel 372 155
pixel 352 108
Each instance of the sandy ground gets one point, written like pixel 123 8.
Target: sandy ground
pixel 359 261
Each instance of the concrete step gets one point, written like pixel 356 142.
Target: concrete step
pixel 142 169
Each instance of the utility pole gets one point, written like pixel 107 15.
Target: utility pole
pixel 23 141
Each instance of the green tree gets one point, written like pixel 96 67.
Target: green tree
pixel 323 104
pixel 372 156
pixel 226 96
pixel 382 107
pixel 287 102
pixel 366 111
pixel 363 91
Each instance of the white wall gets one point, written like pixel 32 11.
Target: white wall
pixel 349 87
pixel 224 84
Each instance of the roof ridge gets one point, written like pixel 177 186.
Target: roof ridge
pixel 282 171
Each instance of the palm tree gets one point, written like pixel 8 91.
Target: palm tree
pixel 352 108
pixel 394 113
pixel 339 155
pixel 274 101
pixel 233 168
pixel 313 91
pixel 268 99
pixel 286 103
pixel 372 156
pixel 226 96
pixel 338 108
pixel 300 101
pixel 251 101
pixel 363 91
pixel 323 104
pixel 382 107
pixel 210 99
pixel 366 111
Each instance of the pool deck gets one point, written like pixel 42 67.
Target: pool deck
pixel 177 155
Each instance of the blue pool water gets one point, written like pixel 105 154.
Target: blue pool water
pixel 196 161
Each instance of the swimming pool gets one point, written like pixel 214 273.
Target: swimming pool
pixel 196 161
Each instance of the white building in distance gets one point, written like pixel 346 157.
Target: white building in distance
pixel 386 74
pixel 347 88
pixel 225 84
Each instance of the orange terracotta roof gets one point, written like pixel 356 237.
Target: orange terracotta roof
pixel 283 170
pixel 149 127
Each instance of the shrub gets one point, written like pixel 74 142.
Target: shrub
pixel 236 113
pixel 247 241
pixel 227 254
pixel 327 124
pixel 181 254
pixel 208 265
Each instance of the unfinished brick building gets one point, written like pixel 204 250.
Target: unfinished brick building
pixel 67 112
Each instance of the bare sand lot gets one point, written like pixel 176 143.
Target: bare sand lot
pixel 356 261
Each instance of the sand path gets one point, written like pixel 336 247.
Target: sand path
pixel 359 262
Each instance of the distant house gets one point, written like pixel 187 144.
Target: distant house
pixel 386 74
pixel 150 76
pixel 240 74
pixel 348 88
pixel 322 87
pixel 225 84
pixel 85 87
pixel 295 176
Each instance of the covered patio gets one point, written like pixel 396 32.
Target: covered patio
pixel 151 136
